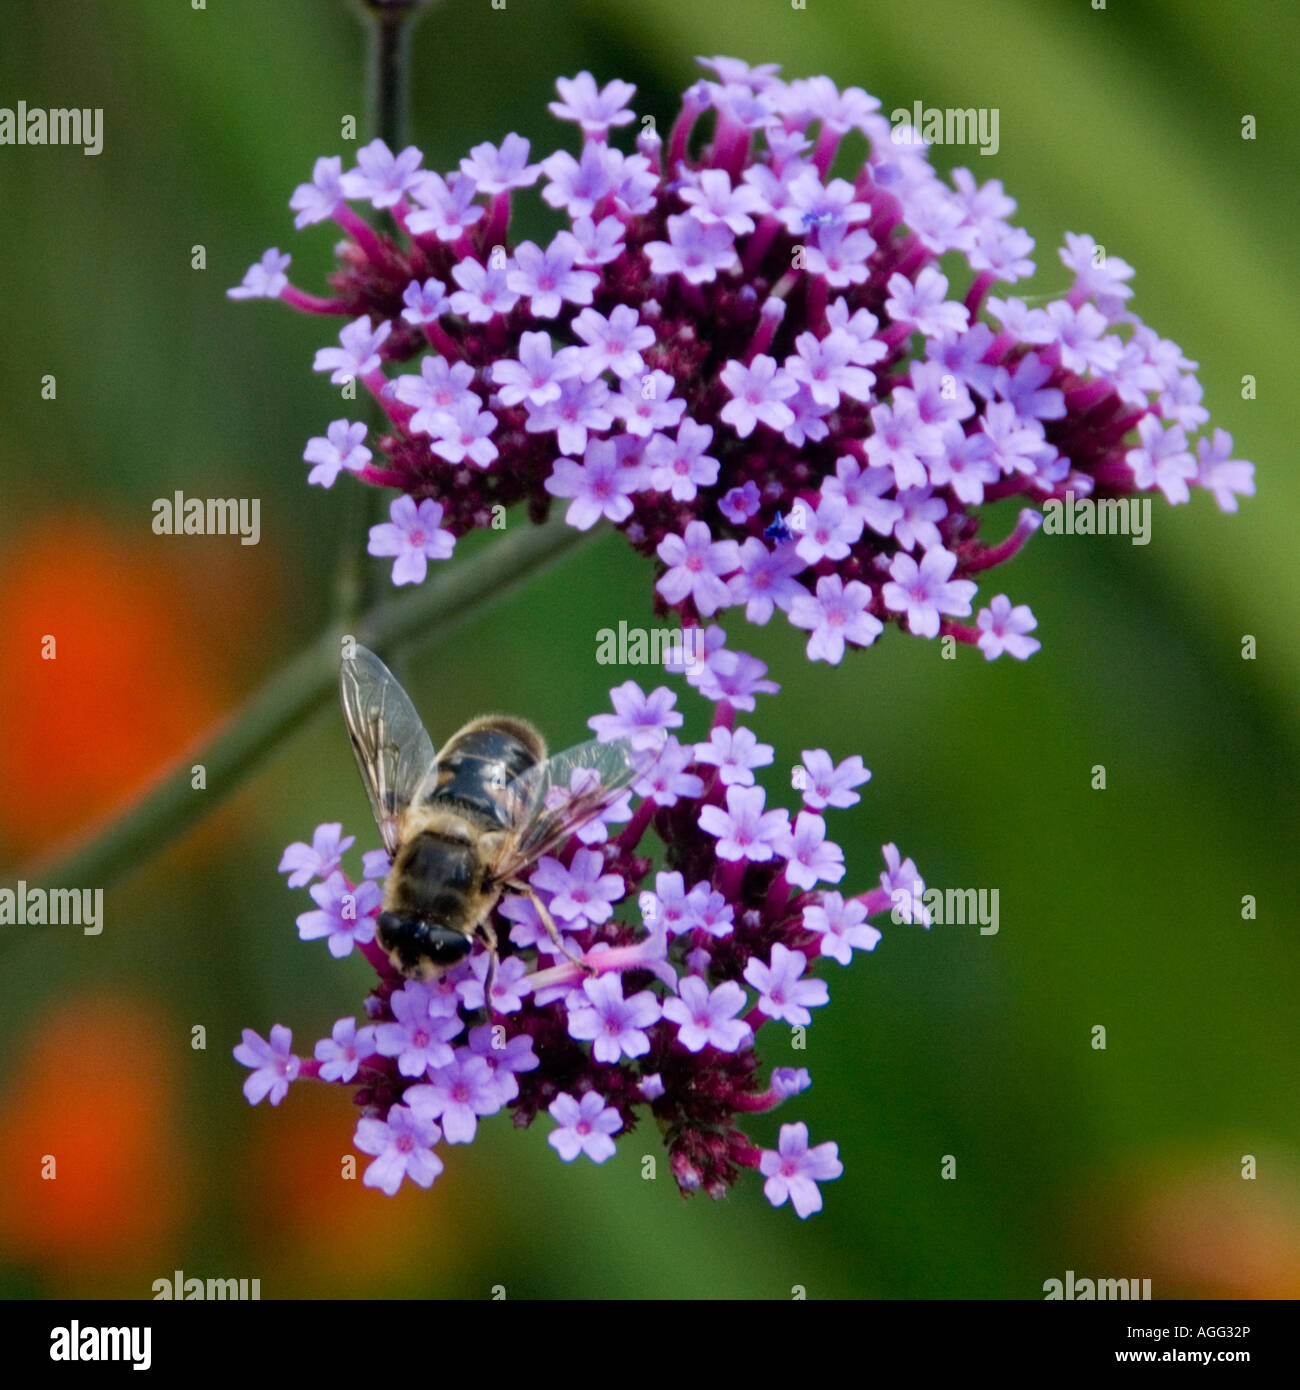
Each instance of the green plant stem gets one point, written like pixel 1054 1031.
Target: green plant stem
pixel 388 24
pixel 304 685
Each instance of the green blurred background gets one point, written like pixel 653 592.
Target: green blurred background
pixel 1120 907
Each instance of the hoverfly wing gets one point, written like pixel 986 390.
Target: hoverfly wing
pixel 394 753
pixel 551 801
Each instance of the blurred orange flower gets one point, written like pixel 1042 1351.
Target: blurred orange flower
pixel 93 1103
pixel 129 688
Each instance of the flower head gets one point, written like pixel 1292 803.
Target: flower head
pixel 656 1000
pixel 724 336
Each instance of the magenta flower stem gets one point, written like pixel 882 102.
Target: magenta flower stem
pixel 361 232
pixel 1028 523
pixel 311 303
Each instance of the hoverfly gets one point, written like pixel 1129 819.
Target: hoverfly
pixel 464 825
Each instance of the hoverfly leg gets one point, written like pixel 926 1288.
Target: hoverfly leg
pixel 490 940
pixel 553 932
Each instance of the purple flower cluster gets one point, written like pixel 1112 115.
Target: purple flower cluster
pixel 683 967
pixel 789 386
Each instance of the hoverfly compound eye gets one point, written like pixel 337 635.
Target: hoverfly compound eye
pixel 444 946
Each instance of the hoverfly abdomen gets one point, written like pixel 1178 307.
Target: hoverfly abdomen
pixel 480 763
pixel 435 878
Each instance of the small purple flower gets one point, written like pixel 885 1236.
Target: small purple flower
pixel 924 305
pixel 810 857
pixel 916 526
pixel 697 253
pixel 681 467
pixel 414 536
pixel 580 186
pixel 645 406
pixel 826 367
pixel 359 354
pixel 447 208
pixel 375 863
pixel 594 108
pixel 1081 338
pixel 759 393
pixel 585 1127
pixel 457 1094
pixel 463 435
pixel 766 579
pixel 274 1065
pixel 614 1025
pixel 735 753
pixel 341 446
pixel 581 406
pixel 315 201
pixel 925 591
pixel 831 784
pixel 265 279
pixel 600 485
pixel 793 1170
pixel 497 169
pixel 345 915
pixel 696 564
pixel 593 243
pixel 668 780
pixel 343 1051
pixel 1102 280
pixel 735 677
pixel 842 926
pixel 1003 629
pixel 790 1081
pixel 837 615
pixel 536 375
pixel 738 504
pixel 1163 459
pixel 613 344
pixel 1224 476
pixel 781 992
pixel 484 290
pixel 403 1145
pixel 382 176
pixel 508 989
pixel 905 888
pixel 581 893
pixel 425 303
pixel 830 533
pixel 440 390
pixel 745 830
pixel 669 906
pixel 504 1062
pixel 708 1018
pixel 547 278
pixel 303 862
pixel 420 1035
pixel 642 718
